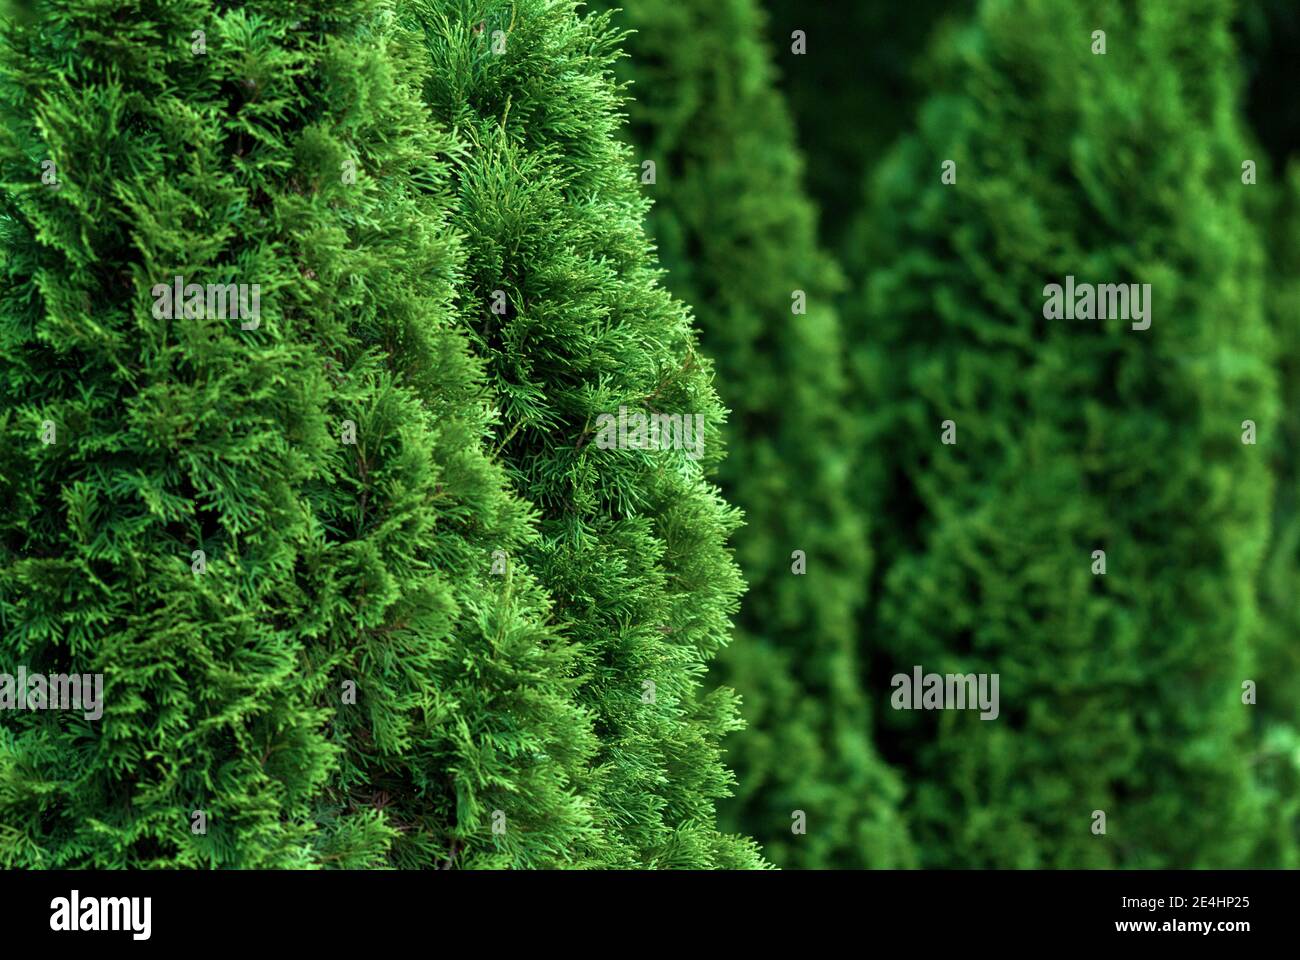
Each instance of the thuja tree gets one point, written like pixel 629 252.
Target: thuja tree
pixel 735 233
pixel 276 533
pixel 1077 501
pixel 586 352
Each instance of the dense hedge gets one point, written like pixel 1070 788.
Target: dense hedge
pixel 429 557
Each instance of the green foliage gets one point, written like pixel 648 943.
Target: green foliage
pixel 632 546
pixel 326 561
pixel 1121 692
pixel 378 580
pixel 1270 32
pixel 1279 660
pixel 736 233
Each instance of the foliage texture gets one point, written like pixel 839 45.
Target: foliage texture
pixel 563 300
pixel 328 563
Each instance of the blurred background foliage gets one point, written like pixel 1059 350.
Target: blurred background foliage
pixel 820 171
